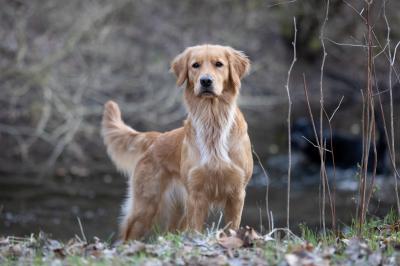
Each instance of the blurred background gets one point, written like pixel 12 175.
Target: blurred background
pixel 60 61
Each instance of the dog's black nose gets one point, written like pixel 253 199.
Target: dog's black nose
pixel 206 81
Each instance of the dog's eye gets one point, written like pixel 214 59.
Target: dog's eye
pixel 218 64
pixel 196 65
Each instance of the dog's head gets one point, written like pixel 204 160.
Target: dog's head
pixel 209 70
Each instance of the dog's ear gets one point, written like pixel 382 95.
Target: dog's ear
pixel 239 66
pixel 179 67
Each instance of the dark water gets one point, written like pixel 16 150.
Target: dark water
pixel 28 206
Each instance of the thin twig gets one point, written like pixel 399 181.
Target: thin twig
pixel 81 228
pixel 346 44
pixel 315 145
pixel 332 198
pixel 368 127
pixel 321 148
pixel 267 189
pixel 375 37
pixel 336 109
pixel 289 122
pixel 322 170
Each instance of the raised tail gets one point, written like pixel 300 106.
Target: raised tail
pixel 124 144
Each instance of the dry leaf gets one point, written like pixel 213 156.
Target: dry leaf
pixel 244 237
pixel 248 235
pixel 59 252
pixel 308 246
pixel 228 241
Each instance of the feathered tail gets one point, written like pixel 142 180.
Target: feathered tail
pixel 124 144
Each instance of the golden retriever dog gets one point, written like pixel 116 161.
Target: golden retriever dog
pixel 176 176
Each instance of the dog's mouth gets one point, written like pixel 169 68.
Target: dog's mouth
pixel 207 93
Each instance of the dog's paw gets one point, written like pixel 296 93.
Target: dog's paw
pixel 111 111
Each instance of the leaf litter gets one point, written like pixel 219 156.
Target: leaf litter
pixel 222 247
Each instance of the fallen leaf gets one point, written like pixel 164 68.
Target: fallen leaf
pixel 228 241
pixel 309 247
pixel 59 252
pixel 248 235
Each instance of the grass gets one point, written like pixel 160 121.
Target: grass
pixel 379 244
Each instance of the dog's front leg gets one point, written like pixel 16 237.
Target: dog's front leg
pixel 197 210
pixel 234 208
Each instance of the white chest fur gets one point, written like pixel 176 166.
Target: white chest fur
pixel 212 128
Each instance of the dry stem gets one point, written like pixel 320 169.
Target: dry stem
pixel 289 122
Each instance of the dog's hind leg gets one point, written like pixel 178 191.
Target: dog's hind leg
pixel 147 193
pixel 139 223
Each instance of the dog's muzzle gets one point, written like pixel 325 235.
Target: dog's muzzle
pixel 207 88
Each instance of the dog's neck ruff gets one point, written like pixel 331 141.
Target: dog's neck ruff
pixel 212 122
